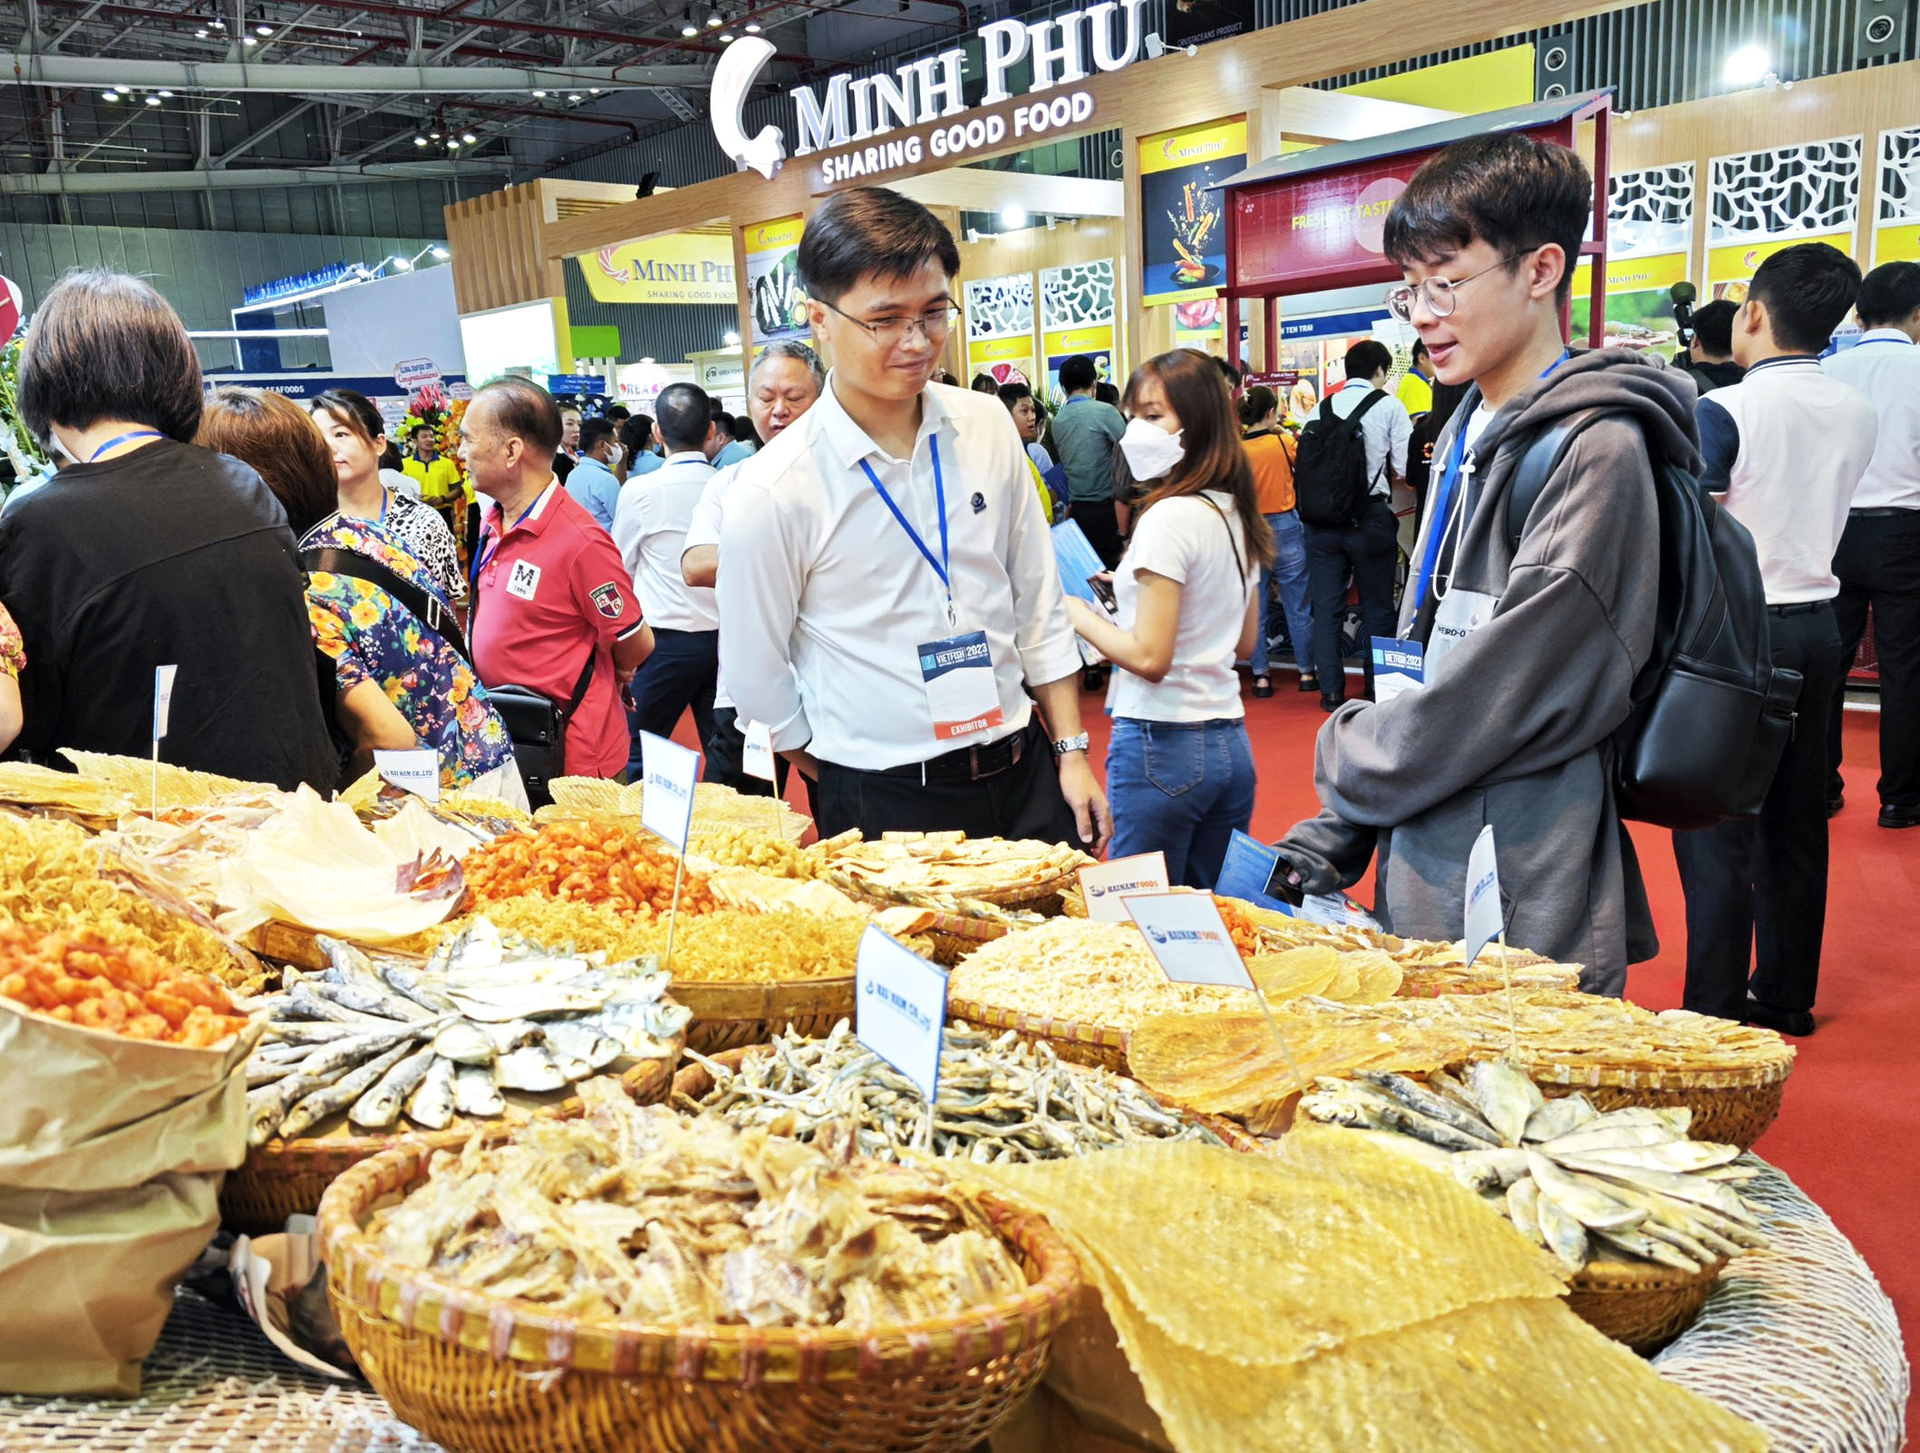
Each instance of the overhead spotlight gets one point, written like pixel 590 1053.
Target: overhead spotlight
pixel 218 24
pixel 248 40
pixel 646 360
pixel 440 254
pixel 468 137
pixel 726 37
pixel 1747 66
pixel 715 20
pixel 109 95
pixel 124 90
pixel 1013 217
pixel 732 339
pixel 164 95
pixel 419 141
pixel 539 95
pixel 593 90
pixel 752 27
pixel 153 100
pixel 399 264
pixel 689 29
pixel 452 144
pixel 263 30
pixel 434 134
pixel 200 34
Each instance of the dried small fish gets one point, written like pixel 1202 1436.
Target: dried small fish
pixel 431 1103
pixel 380 1106
pixel 1582 1200
pixel 1434 1106
pixel 339 1095
pixel 474 1093
pixel 465 1044
pixel 1505 1096
pixel 1559 1117
pixel 528 1068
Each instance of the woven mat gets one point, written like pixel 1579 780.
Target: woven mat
pixel 1798 1338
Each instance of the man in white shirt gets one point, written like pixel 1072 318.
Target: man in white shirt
pixel 1784 450
pixel 650 527
pixel 888 592
pixel 1366 553
pixel 1878 562
pixel 784 383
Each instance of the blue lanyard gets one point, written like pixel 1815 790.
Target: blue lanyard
pixel 941 566
pixel 119 439
pixel 385 496
pixel 481 562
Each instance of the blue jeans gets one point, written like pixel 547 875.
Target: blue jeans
pixel 1290 565
pixel 1180 788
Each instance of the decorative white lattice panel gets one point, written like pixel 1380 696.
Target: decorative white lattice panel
pixel 1079 295
pixel 1650 211
pixel 1900 175
pixel 998 307
pixel 1787 191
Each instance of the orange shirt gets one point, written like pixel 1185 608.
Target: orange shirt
pixel 1271 457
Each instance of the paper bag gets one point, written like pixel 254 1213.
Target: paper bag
pixel 87 1279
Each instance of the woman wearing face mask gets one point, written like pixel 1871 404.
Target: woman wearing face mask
pixel 1179 768
pixel 355 434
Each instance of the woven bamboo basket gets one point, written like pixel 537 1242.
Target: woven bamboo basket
pixel 1640 1304
pixel 482 1374
pixel 1732 1107
pixel 728 1015
pixel 1083 1044
pixel 955 937
pixel 288 1177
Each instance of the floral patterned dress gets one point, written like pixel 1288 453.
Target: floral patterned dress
pixel 420 531
pixel 370 636
pixel 13 652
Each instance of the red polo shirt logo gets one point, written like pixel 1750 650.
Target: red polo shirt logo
pixel 606 600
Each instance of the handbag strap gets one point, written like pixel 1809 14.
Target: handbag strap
pixel 1227 525
pixel 579 688
pixel 426 607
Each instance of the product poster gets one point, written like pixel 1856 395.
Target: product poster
pixel 1200 324
pixel 683 267
pixel 1000 319
pixel 1183 226
pixel 773 280
pixel 1762 201
pixel 1195 22
pixel 1649 249
pixel 1896 233
pixel 1077 316
pixel 1730 269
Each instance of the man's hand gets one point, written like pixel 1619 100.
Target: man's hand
pixel 1092 818
pixel 807 764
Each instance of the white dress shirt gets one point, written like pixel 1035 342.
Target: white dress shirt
pixel 1386 430
pixel 705 530
pixel 1885 366
pixel 824 601
pixel 650 527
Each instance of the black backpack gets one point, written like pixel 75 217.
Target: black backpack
pixel 1330 481
pixel 1711 713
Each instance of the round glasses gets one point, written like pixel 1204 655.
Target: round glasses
pixel 1437 291
pixel 934 324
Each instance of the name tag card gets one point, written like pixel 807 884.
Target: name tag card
pixel 1397 666
pixel 670 770
pixel 416 770
pixel 900 1008
pixel 961 691
pixel 1104 884
pixel 756 754
pixel 1189 938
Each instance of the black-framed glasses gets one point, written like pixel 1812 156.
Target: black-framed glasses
pixel 934 324
pixel 1438 291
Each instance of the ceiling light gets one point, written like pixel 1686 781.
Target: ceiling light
pixel 218 24
pixel 1747 66
pixel 124 90
pixel 593 90
pixel 153 100
pixel 248 40
pixel 646 360
pixel 434 134
pixel 468 137
pixel 575 98
pixel 726 37
pixel 715 20
pixel 732 340
pixel 263 30
pixel 109 95
pixel 752 27
pixel 539 95
pixel 452 145
pixel 689 29
pixel 1013 217
pixel 419 141
pixel 164 95
pixel 399 264
pixel 440 254
pixel 200 34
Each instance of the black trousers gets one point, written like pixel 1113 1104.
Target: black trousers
pixel 680 675
pixel 1101 525
pixel 1762 881
pixel 1366 552
pixel 1024 801
pixel 1878 563
pixel 726 746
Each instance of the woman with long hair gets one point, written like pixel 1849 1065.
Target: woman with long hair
pixel 357 436
pixel 1179 768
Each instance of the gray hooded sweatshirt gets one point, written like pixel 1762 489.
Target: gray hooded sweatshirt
pixel 1512 726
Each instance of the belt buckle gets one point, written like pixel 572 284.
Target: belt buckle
pixel 973 764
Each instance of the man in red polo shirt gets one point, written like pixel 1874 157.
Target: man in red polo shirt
pixel 549 588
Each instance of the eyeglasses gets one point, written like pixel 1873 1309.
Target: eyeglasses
pixel 1438 291
pixel 934 324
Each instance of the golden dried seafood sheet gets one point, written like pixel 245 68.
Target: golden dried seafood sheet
pixel 54 878
pixel 950 863
pixel 179 787
pixel 1231 1064
pixel 1522 1376
pixel 1001 1099
pixel 640 1213
pixel 29 785
pixel 1262 1260
pixel 714 806
pixel 1091 973
pixel 766 892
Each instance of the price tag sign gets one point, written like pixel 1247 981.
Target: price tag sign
pixel 900 1008
pixel 1484 919
pixel 1104 884
pixel 1189 938
pixel 416 770
pixel 162 698
pixel 666 805
pixel 756 756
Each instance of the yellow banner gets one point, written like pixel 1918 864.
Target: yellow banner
pixel 774 236
pixel 1636 274
pixel 1000 350
pixel 685 267
pixel 1896 244
pixel 1735 264
pixel 1069 341
pixel 1169 149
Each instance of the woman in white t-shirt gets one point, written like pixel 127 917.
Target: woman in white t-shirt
pixel 1179 767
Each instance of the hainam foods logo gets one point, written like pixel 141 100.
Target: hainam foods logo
pixel 1138 885
pixel 1173 149
pixel 1185 935
pixel 924 91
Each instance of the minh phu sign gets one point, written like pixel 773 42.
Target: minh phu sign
pixel 848 110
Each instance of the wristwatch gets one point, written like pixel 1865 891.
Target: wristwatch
pixel 1072 744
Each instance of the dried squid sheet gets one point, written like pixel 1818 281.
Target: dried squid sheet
pixel 1231 1064
pixel 1262 1260
pixel 1522 1376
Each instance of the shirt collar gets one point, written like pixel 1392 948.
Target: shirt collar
pixel 1783 361
pixel 688 456
pixel 852 444
pixel 536 518
pixel 1885 335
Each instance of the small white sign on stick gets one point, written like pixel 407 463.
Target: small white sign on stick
pixel 756 752
pixel 1484 918
pixel 1189 938
pixel 415 770
pixel 666 805
pixel 162 698
pixel 1103 885
pixel 900 1008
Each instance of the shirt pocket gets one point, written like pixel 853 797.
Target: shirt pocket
pixel 1175 760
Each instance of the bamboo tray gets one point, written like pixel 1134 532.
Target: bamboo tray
pixel 288 1177
pixel 1733 1107
pixel 1085 1044
pixel 729 1015
pixel 1640 1304
pixel 476 1372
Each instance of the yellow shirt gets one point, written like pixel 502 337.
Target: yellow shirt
pixel 437 480
pixel 1416 393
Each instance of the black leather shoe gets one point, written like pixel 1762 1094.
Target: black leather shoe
pixel 1309 683
pixel 1900 817
pixel 1797 1022
pixel 1835 803
pixel 1330 704
pixel 1262 686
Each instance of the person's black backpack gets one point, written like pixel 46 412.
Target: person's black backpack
pixel 1711 713
pixel 1330 480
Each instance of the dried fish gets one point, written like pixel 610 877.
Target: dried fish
pixel 431 1103
pixel 380 1106
pixel 339 1095
pixel 474 1093
pixel 528 1068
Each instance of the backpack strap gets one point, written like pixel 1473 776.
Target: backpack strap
pixel 1353 419
pixel 426 607
pixel 1542 457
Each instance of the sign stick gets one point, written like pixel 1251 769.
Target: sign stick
pixel 1286 1050
pixel 156 779
pixel 1513 1032
pixel 673 910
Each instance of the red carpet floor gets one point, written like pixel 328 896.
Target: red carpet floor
pixel 1851 1118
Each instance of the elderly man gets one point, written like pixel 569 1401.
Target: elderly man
pixel 785 382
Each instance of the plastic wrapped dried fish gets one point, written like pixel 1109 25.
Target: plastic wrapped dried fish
pixel 1000 1099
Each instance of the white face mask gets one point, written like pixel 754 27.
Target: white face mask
pixel 1150 450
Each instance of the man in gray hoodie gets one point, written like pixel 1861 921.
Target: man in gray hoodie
pixel 1530 652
